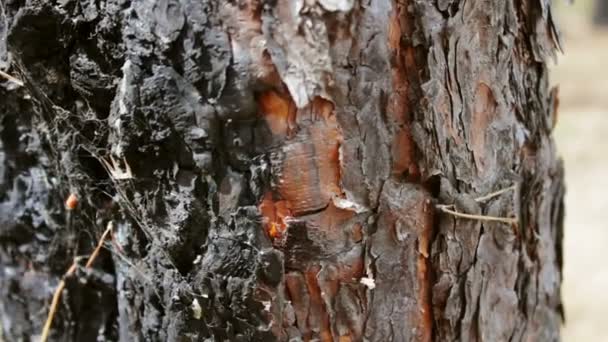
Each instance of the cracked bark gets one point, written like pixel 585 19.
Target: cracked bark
pixel 287 161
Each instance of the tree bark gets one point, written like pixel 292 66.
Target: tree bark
pixel 281 170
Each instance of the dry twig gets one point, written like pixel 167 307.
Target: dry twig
pixel 11 78
pixel 494 194
pixel 57 295
pixel 446 209
pixel 449 209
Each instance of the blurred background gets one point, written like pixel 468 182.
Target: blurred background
pixel 582 141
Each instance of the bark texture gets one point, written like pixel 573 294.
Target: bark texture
pixel 277 167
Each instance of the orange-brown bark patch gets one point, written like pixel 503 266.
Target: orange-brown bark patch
pixel 323 108
pixel 317 316
pixel 403 155
pixel 279 112
pixel 310 174
pixel 326 139
pixel 398 109
pixel 275 213
pixel 483 114
pixel 424 273
pixel 357 232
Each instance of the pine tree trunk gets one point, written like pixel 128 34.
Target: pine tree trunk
pixel 280 170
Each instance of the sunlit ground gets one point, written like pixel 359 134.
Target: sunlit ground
pixel 582 139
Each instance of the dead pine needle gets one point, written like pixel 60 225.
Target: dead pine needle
pixel 494 194
pixel 57 295
pixel 449 209
pixel 446 209
pixel 11 78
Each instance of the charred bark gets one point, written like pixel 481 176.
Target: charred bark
pixel 273 170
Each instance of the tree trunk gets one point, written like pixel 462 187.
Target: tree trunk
pixel 280 170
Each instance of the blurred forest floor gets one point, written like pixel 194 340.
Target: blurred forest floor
pixel 582 140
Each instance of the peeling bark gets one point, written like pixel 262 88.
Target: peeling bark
pixel 287 158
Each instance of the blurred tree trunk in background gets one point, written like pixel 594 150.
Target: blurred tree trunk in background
pixel 600 14
pixel 278 168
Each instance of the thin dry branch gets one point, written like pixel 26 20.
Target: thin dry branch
pixel 11 78
pixel 494 194
pixel 446 209
pixel 57 295
pixel 451 210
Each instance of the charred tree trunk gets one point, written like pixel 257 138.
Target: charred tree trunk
pixel 280 170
